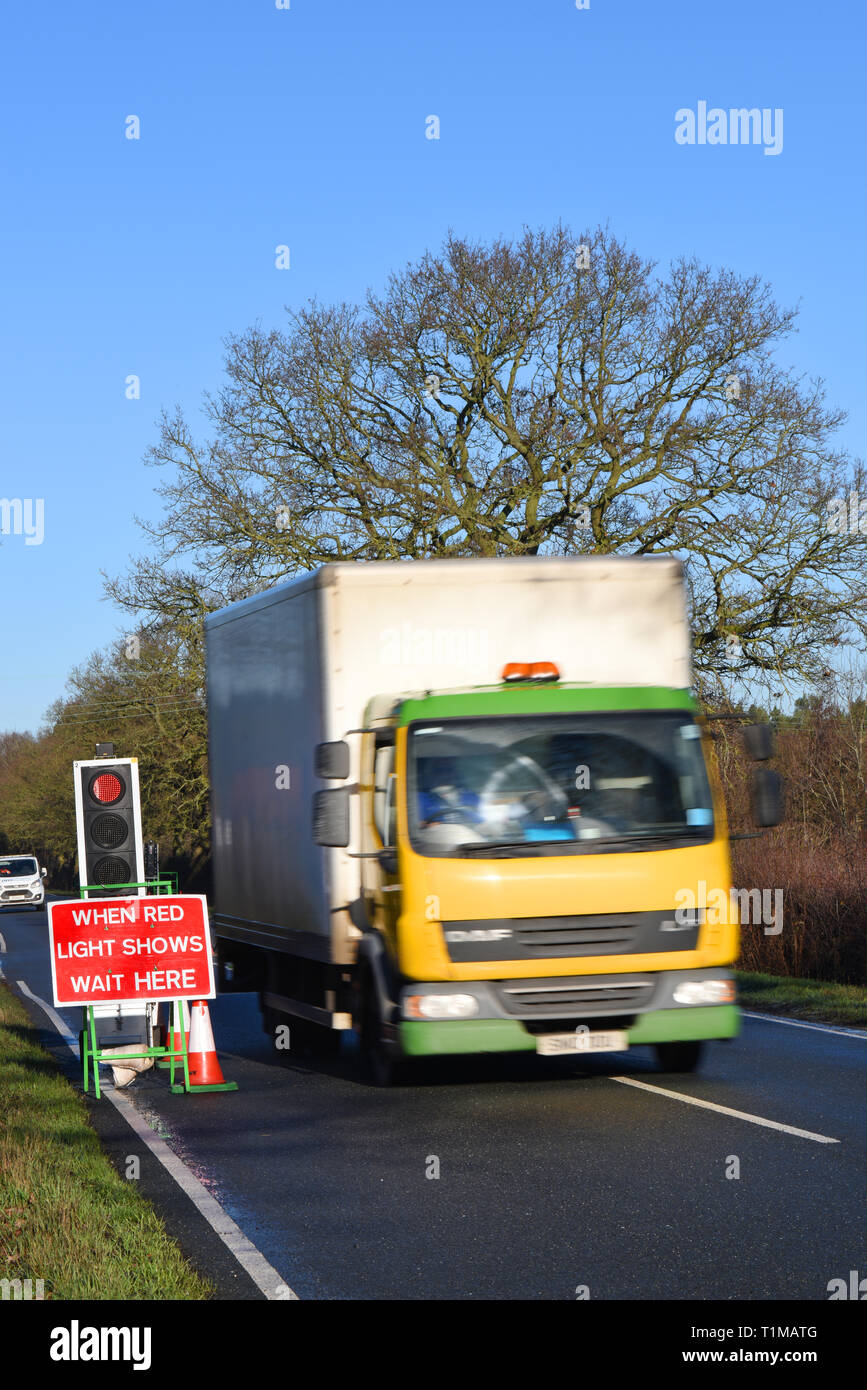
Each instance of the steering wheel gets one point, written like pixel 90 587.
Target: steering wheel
pixel 447 815
pixel 520 766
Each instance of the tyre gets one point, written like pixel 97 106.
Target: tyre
pixel 678 1056
pixel 382 1067
pixel 274 1019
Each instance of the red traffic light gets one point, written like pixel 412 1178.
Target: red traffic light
pixel 107 788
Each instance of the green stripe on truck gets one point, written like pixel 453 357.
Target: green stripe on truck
pixel 529 698
pixel 422 1039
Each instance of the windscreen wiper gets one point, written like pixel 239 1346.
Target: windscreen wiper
pixel 603 841
pixel 654 838
pixel 471 845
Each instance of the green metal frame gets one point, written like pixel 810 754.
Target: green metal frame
pixel 160 885
pixel 90 1050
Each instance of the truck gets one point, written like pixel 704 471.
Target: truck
pixel 472 805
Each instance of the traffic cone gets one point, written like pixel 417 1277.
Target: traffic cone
pixel 174 1041
pixel 205 1073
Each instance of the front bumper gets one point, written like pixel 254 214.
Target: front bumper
pixel 419 1039
pixel 22 897
pixel 642 1006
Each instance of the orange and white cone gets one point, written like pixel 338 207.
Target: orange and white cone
pixel 175 1043
pixel 205 1073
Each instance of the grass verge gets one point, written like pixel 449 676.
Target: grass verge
pixel 66 1216
pixel 814 1001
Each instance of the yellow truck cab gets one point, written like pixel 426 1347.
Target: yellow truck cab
pixel 543 833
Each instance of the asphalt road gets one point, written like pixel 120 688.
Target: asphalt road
pixel 553 1174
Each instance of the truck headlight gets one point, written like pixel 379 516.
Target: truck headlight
pixel 705 992
pixel 440 1006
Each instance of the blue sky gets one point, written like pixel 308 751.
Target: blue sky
pixel 306 127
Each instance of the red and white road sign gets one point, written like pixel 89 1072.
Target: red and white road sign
pixel 105 950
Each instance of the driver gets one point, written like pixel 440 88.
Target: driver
pixel 446 796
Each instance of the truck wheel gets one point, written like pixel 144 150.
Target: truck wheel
pixel 380 1065
pixel 678 1056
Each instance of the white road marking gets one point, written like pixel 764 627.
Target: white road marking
pixel 2 943
pixel 725 1110
pixel 263 1274
pixel 71 1042
pixel 817 1027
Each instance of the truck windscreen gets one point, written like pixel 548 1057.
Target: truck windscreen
pixel 558 784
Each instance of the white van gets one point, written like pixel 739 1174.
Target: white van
pixel 21 881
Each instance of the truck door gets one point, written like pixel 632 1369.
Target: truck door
pixel 383 880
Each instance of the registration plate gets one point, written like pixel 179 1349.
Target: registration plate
pixel 554 1044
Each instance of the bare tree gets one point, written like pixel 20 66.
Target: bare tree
pixel 525 398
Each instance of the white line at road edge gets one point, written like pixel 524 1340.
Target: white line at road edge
pixel 252 1260
pixel 724 1110
pixel 817 1027
pixel 2 943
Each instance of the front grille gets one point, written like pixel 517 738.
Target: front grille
pixel 568 936
pixel 581 934
pixel 559 998
pixel 610 1023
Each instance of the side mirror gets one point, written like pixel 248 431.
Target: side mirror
pixel 388 860
pixel 391 809
pixel 44 873
pixel 331 817
pixel 767 797
pixel 759 739
pixel 331 760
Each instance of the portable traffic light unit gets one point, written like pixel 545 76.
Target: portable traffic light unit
pixel 108 817
pixel 111 863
